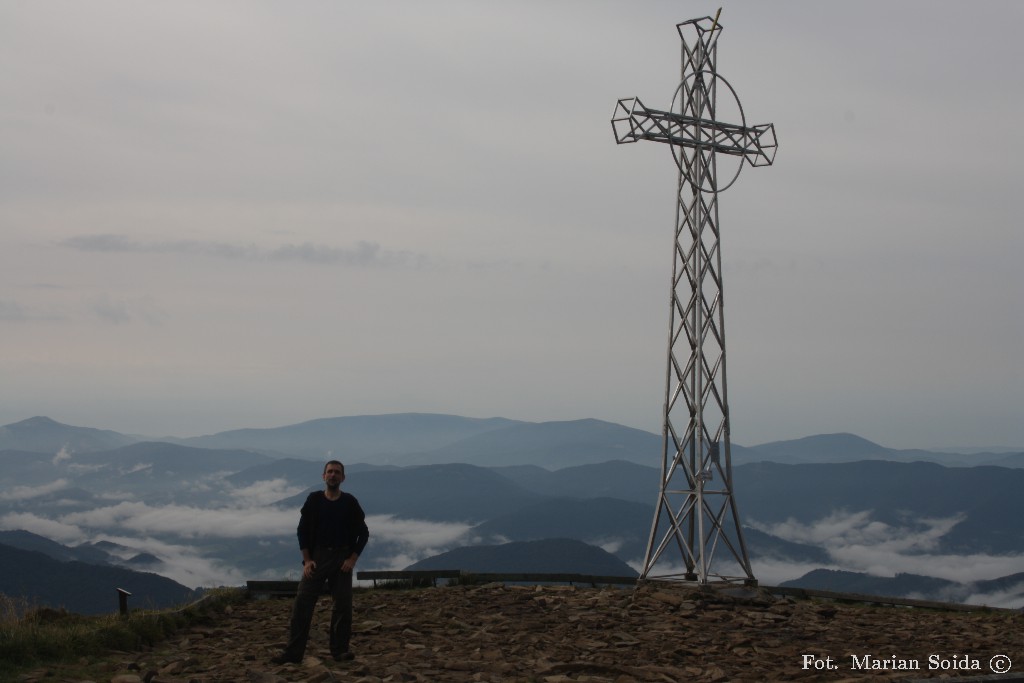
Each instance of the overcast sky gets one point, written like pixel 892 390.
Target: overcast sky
pixel 217 215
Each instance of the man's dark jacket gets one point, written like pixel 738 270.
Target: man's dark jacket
pixel 354 534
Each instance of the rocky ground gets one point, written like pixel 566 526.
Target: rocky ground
pixel 557 634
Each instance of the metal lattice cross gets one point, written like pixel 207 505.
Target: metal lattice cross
pixel 696 511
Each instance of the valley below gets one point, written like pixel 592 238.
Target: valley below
pixel 834 512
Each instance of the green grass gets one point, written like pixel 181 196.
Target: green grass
pixel 35 636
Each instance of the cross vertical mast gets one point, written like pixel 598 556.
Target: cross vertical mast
pixel 696 511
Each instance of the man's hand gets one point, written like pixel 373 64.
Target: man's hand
pixel 307 568
pixel 349 563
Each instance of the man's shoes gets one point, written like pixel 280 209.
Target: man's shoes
pixel 285 659
pixel 345 656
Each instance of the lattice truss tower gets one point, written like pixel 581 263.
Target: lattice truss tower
pixel 696 516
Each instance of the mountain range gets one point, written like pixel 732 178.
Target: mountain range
pixel 83 587
pixel 547 556
pixel 211 512
pixel 422 438
pixel 910 585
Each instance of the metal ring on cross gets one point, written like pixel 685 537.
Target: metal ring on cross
pixel 697 159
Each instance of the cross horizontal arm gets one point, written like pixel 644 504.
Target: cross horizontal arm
pixel 632 121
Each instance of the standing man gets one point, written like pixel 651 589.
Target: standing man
pixel 332 533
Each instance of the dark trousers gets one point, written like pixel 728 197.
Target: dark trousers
pixel 339 583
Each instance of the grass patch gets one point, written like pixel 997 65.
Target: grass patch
pixel 33 636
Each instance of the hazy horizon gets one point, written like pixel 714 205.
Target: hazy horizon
pixel 965 449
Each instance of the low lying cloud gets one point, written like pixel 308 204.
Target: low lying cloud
pixel 186 521
pixel 59 531
pixel 265 492
pixel 612 545
pixel 397 543
pixel 77 468
pixel 772 571
pixel 856 543
pixel 853 541
pixel 842 530
pixel 27 492
pixel 1011 597
pixel 416 532
pixel 961 568
pixel 181 563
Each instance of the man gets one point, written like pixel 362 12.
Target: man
pixel 332 533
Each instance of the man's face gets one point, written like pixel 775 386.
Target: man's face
pixel 333 477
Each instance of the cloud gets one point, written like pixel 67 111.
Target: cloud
pixel 27 492
pixel 179 562
pixel 265 492
pixel 186 521
pixel 416 533
pixel 772 571
pixel 1012 598
pixel 363 253
pixel 60 531
pixel 398 543
pixel 77 468
pixel 857 543
pixel 62 455
pixel 608 545
pixel 845 530
pixel 960 568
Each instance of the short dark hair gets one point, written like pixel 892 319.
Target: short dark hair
pixel 334 462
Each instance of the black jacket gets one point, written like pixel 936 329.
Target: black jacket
pixel 355 534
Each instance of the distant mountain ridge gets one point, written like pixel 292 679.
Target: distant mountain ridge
pixel 844 447
pixel 24 540
pixel 550 444
pixel 44 435
pixel 424 438
pixel 374 438
pixel 986 499
pixel 552 555
pixel 82 587
pixel 913 585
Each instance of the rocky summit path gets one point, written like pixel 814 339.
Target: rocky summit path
pixel 558 634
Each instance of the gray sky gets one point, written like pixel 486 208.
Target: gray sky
pixel 224 215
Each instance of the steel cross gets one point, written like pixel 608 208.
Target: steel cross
pixel 692 514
